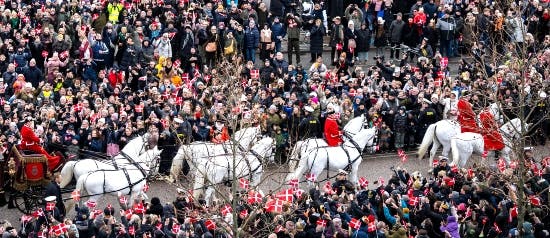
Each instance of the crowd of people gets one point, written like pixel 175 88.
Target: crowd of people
pixel 88 76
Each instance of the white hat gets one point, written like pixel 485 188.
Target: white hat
pixel 341 171
pixel 381 20
pixel 50 199
pixel 28 85
pixel 101 120
pixel 177 120
pixel 179 190
pixel 542 94
pixel 308 109
pixel 272 107
pixel 313 94
pixel 280 81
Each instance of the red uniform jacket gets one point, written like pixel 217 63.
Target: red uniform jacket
pixel 490 131
pixel 219 137
pixel 29 141
pixel 333 135
pixel 466 117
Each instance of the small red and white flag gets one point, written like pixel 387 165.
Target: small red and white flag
pixel 402 155
pixel 138 108
pixel 146 186
pixel 286 195
pixel 435 163
pixel 328 188
pixel 454 169
pixel 244 213
pixel 322 222
pixel 444 62
pixel 123 200
pixel 535 201
pixel 381 180
pixel 131 230
pixel 363 182
pixel 254 197
pixel 279 228
pixel 513 213
pixel 371 227
pixel 25 218
pixel 38 213
pixel 485 154
pixel 64 54
pixel 497 229
pixel 254 73
pixel 310 177
pixel 50 206
pixel 413 201
pixel 75 195
pixel 293 183
pixel 226 209
pixel 243 183
pixel 298 193
pixel 355 223
pixel 210 225
pixel 514 164
pixel 501 165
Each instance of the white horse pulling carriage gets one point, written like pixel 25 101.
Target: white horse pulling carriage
pixel 225 167
pixel 136 149
pixel 347 156
pixel 201 150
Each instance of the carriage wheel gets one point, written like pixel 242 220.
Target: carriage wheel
pixel 28 200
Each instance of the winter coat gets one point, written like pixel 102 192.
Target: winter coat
pixel 33 75
pixel 396 31
pixel 451 227
pixel 400 123
pixel 53 66
pixel 129 56
pixel 251 37
pixel 363 40
pixel 278 29
pixel 316 39
pixel 164 47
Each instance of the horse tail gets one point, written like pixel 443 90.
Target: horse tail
pixel 295 156
pixel 454 151
pixel 67 173
pixel 427 140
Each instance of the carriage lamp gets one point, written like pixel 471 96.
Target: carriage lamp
pixel 11 167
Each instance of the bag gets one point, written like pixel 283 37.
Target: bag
pixel 210 47
pixel 230 49
pixel 113 149
pixel 352 43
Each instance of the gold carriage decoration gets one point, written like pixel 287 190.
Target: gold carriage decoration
pixel 28 170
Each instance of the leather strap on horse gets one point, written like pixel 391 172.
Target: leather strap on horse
pixel 130 185
pixel 133 162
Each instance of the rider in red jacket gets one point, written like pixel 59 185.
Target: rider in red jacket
pixel 29 141
pixel 333 135
pixel 466 115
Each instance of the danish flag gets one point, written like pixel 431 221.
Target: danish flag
pixel 413 201
pixel 179 101
pixel 293 183
pixel 363 182
pixel 45 53
pixel 254 73
pixel 77 107
pixel 355 223
pixel 545 162
pixel 244 213
pixel 275 206
pixel 371 227
pixel 42 234
pixel 75 195
pixel 139 208
pixel 439 80
pixel 310 177
pixel 210 225
pixel 470 173
pixel 444 62
pixel 279 228
pixel 497 229
pixel 513 164
pixel 402 155
pixel 58 229
pixel 381 180
pixel 138 108
pixel 536 170
pixel 254 197
pixel 50 206
pixel 299 193
pixel 243 183
pixel 64 54
pixel 226 209
pixel 25 218
pixel 91 204
pixel 535 201
pixel 159 226
pixel 146 186
pixel 38 213
pixel 322 222
pixel 131 230
pixel 185 77
pixel 485 154
pixel 286 195
pixel 435 163
pixel 454 169
pixel 328 188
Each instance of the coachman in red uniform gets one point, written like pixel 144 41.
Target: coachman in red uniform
pixel 490 131
pixel 29 141
pixel 333 135
pixel 466 115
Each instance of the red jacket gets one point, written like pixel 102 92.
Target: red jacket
pixel 466 117
pixel 333 135
pixel 28 137
pixel 490 131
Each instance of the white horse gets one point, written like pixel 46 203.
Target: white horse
pixel 243 164
pixel 465 144
pixel 440 134
pixel 200 150
pixel 135 149
pixel 303 147
pixel 336 157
